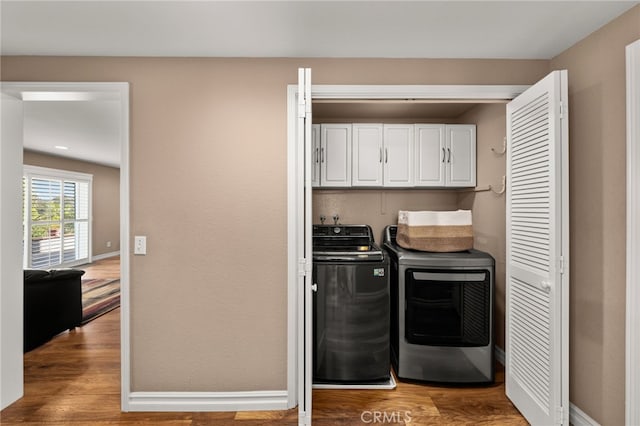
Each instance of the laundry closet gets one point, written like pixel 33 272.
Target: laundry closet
pixel 370 160
pixel 517 209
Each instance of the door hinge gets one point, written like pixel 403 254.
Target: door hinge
pixel 562 264
pixel 302 106
pixel 561 414
pixel 564 109
pixel 302 267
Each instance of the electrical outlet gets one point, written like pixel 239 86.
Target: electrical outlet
pixel 108 244
pixel 140 244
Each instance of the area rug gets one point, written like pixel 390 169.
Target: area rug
pixel 99 296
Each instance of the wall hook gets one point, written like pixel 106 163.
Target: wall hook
pixel 504 186
pixel 504 147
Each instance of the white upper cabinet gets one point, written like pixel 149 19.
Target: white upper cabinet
pixel 315 155
pixel 393 155
pixel 461 155
pixel 335 155
pixel 430 155
pixel 398 155
pixel 445 155
pixel 367 155
pixel 382 155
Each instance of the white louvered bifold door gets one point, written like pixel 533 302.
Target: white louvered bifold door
pixel 537 285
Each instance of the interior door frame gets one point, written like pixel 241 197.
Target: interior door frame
pixel 11 289
pixel 78 91
pixel 296 167
pixel 633 235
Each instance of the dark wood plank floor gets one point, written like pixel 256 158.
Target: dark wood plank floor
pixel 75 380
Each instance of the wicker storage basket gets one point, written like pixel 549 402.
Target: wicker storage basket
pixel 437 231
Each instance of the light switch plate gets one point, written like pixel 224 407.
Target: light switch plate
pixel 140 244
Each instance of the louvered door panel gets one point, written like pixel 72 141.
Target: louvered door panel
pixel 530 357
pixel 536 338
pixel 530 185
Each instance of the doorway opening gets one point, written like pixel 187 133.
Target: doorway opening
pixel 325 94
pixel 24 101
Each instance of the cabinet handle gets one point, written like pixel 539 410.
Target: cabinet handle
pixel 449 149
pixel 380 155
pixel 386 155
pixel 444 155
pixel 322 155
pixel 317 160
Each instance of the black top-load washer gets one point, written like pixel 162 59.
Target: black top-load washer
pixel 441 313
pixel 351 320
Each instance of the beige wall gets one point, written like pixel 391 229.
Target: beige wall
pixel 596 67
pixel 488 207
pixel 106 197
pixel 376 207
pixel 208 188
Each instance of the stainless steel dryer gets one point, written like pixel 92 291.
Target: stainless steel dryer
pixel 441 314
pixel 351 306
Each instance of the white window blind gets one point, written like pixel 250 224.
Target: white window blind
pixel 57 218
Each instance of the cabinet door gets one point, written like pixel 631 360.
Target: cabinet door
pixel 431 154
pixel 315 155
pixel 367 155
pixel 335 155
pixel 461 154
pixel 398 155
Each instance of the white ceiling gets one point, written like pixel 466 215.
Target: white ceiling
pixel 89 129
pixel 390 29
pixel 304 28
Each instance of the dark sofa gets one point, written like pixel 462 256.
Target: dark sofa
pixel 52 304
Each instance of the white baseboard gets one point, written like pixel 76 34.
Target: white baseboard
pixel 577 417
pixel 207 401
pixel 105 255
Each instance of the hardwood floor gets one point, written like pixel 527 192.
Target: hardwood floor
pixel 75 380
pixel 105 268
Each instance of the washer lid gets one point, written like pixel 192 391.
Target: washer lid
pixel 369 252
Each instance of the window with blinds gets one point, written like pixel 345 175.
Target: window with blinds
pixel 57 218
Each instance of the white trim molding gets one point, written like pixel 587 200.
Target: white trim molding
pixel 577 417
pixel 437 93
pixel 62 174
pixel 105 255
pixel 125 226
pixel 208 401
pixel 633 236
pixel 11 289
